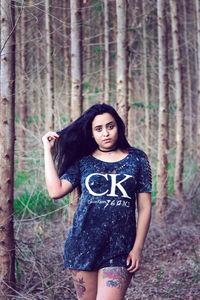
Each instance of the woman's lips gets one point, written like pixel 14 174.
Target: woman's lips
pixel 106 140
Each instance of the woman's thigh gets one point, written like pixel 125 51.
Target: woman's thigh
pixel 112 283
pixel 85 284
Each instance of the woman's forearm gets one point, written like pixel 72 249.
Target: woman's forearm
pixel 144 217
pixel 52 180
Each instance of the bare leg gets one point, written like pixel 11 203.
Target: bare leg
pixel 112 283
pixel 85 284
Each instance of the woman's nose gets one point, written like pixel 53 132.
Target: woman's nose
pixel 105 132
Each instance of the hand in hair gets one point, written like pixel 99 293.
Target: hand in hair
pixel 49 139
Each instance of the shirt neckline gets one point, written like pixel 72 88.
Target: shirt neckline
pixel 110 162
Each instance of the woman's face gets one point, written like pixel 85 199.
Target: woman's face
pixel 105 131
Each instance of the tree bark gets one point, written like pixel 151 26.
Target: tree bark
pixel 101 54
pixel 87 53
pixel 67 57
pixel 162 158
pixel 198 100
pixel 131 110
pixel 76 61
pixel 154 91
pixel 76 77
pixel 39 85
pixel 132 9
pixel 107 54
pixel 122 63
pixel 188 80
pixel 23 96
pixel 145 78
pixel 49 113
pixel 7 133
pixel 179 97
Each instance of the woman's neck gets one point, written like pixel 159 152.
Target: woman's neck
pixel 109 150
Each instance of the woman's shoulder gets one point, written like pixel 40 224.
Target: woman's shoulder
pixel 85 160
pixel 140 158
pixel 137 152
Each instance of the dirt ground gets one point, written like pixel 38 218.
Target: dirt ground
pixel 170 265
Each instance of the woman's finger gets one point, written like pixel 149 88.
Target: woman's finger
pixel 128 261
pixel 49 138
pixel 50 135
pixel 132 261
pixel 134 267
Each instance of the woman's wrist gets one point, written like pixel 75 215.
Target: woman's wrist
pixel 137 248
pixel 47 147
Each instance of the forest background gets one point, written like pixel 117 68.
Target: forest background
pixel 57 59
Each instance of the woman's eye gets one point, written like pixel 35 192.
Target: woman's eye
pixel 111 126
pixel 98 129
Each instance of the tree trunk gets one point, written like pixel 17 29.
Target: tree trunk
pixel 23 96
pixel 162 164
pixel 39 85
pixel 87 54
pixel 7 246
pixel 106 43
pixel 67 57
pixel 76 77
pixel 153 88
pixel 178 178
pixel 188 80
pixel 49 115
pixel 132 10
pixel 122 64
pixel 76 61
pixel 131 110
pixel 198 100
pixel 102 54
pixel 145 78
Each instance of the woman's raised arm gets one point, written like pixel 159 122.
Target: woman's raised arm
pixel 56 187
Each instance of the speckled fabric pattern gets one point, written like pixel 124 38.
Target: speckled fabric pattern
pixel 104 227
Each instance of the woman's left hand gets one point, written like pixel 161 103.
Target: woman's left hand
pixel 133 261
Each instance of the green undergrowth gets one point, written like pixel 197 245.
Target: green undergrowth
pixel 190 178
pixel 170 182
pixel 31 198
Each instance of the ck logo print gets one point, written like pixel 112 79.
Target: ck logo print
pixel 115 184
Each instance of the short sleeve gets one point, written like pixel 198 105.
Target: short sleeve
pixel 72 174
pixel 145 177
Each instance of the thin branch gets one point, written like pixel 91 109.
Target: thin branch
pixel 13 29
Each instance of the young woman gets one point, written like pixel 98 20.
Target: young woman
pixel 104 245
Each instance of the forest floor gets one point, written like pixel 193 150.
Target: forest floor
pixel 170 266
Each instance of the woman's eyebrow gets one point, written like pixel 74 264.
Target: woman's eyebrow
pixel 109 123
pixel 98 126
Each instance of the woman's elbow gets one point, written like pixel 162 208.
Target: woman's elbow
pixel 56 194
pixel 60 190
pixel 53 196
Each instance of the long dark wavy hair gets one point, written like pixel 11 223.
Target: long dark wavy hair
pixel 76 141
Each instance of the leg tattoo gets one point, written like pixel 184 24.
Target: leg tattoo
pixel 116 276
pixel 78 283
pixel 74 272
pixel 80 288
